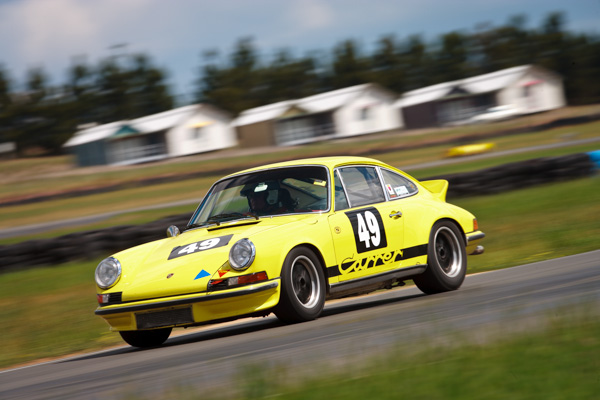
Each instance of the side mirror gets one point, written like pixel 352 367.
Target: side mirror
pixel 172 231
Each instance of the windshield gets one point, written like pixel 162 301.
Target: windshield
pixel 270 192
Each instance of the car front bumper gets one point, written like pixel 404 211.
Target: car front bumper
pixel 192 309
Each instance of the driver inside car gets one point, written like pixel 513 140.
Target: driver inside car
pixel 259 204
pixel 258 201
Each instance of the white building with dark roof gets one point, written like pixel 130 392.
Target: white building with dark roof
pixel 351 111
pixel 528 89
pixel 183 131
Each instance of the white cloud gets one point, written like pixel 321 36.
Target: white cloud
pixel 308 15
pixel 45 27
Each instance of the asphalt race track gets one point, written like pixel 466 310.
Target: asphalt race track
pixel 487 306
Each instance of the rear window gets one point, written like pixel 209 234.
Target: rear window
pixel 362 185
pixel 396 185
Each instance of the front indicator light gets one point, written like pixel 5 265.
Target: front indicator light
pixel 475 225
pixel 237 281
pixel 103 298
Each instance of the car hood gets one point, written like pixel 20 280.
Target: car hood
pixel 186 263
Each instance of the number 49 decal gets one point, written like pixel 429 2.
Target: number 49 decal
pixel 369 232
pixel 199 246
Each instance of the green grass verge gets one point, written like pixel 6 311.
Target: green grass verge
pixel 538 223
pixel 48 312
pixel 559 363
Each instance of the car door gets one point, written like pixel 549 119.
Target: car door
pixel 367 230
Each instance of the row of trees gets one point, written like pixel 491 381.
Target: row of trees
pixel 44 116
pixel 241 81
pixel 130 86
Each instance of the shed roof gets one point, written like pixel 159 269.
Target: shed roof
pixel 163 120
pixel 478 84
pixel 312 104
pixel 94 133
pixel 148 124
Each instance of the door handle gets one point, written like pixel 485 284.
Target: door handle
pixel 396 214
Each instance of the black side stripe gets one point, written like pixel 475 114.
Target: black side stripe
pixel 412 252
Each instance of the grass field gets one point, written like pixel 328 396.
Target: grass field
pixel 561 362
pixel 48 312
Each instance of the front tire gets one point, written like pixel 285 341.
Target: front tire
pixel 446 260
pixel 145 339
pixel 302 287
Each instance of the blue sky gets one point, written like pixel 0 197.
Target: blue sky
pixel 175 33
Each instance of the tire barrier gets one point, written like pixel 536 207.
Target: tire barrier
pixel 97 244
pixel 85 245
pixel 518 175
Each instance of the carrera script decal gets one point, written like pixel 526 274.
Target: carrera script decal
pixel 203 245
pixel 376 260
pixel 369 233
pixel 368 262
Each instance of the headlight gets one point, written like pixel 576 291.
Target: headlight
pixel 108 272
pixel 242 254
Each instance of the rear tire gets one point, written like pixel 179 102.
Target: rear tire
pixel 145 339
pixel 302 287
pixel 446 260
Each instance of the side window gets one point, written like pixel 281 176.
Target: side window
pixel 362 185
pixel 341 202
pixel 396 185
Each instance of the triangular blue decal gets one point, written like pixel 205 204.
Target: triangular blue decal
pixel 202 274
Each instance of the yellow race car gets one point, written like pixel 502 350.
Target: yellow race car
pixel 470 149
pixel 283 238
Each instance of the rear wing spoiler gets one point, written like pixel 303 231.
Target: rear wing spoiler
pixel 438 188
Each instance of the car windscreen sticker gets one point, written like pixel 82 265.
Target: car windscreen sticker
pixel 390 191
pixel 203 245
pixel 401 190
pixel 369 233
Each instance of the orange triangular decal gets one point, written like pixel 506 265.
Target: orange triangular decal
pixel 221 273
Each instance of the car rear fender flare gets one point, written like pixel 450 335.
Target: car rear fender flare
pixel 455 223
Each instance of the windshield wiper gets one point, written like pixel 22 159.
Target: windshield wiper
pixel 191 226
pixel 230 216
pixel 219 217
pixel 225 217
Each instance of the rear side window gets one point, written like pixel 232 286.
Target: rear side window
pixel 396 185
pixel 362 185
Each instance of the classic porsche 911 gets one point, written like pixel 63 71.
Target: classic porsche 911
pixel 282 239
